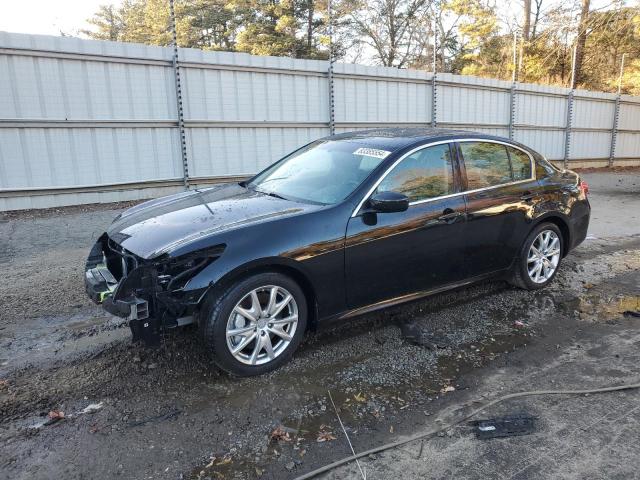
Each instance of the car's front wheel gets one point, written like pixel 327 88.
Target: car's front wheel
pixel 256 324
pixel 539 257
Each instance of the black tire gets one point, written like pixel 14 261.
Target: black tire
pixel 216 311
pixel 520 275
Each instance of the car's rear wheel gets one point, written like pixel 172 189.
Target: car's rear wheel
pixel 539 258
pixel 256 324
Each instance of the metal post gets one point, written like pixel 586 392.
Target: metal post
pixel 512 92
pixel 621 74
pixel 567 130
pixel 434 96
pixel 573 67
pixel 332 123
pixel 514 75
pixel 435 48
pixel 512 110
pixel 176 74
pixel 614 131
pixel 616 115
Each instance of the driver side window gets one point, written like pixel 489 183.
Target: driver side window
pixel 427 173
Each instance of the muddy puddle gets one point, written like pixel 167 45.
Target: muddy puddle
pixel 60 336
pixel 607 307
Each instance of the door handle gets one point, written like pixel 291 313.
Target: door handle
pixel 527 196
pixel 449 216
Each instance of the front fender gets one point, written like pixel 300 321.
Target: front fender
pixel 310 247
pixel 225 269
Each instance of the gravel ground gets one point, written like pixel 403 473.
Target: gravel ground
pixel 168 413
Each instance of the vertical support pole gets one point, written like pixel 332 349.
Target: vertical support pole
pixel 572 84
pixel 512 111
pixel 514 75
pixel 435 47
pixel 614 131
pixel 332 123
pixel 434 101
pixel 567 130
pixel 512 91
pixel 434 90
pixel 616 115
pixel 176 74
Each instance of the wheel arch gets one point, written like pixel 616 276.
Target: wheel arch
pixel 277 265
pixel 563 226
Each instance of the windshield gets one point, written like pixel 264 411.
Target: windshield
pixel 323 172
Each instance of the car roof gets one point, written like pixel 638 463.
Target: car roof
pixel 393 139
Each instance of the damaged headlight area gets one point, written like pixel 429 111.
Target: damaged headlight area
pixel 152 294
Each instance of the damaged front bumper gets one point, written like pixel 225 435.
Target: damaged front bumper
pixel 133 289
pixel 101 285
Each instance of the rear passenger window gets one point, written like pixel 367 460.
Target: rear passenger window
pixel 427 173
pixel 520 163
pixel 487 164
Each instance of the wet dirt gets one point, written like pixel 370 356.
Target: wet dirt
pixel 176 412
pixel 168 413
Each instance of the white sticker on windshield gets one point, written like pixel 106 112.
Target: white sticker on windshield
pixel 372 152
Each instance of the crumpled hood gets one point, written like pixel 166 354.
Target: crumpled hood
pixel 159 226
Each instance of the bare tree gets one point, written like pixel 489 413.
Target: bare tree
pixel 526 21
pixel 392 28
pixel 526 28
pixel 580 42
pixel 536 18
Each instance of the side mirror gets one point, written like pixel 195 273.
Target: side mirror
pixel 389 202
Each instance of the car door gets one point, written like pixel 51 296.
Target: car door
pixel 501 190
pixel 394 254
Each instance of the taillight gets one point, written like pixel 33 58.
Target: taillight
pixel 584 186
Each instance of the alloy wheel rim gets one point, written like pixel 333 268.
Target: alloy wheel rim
pixel 543 256
pixel 261 325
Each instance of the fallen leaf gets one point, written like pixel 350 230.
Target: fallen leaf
pixel 280 434
pixel 325 436
pixel 448 388
pixel 56 414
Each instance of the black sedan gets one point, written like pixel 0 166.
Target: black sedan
pixel 345 225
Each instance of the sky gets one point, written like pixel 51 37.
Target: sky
pixel 51 17
pixel 48 17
